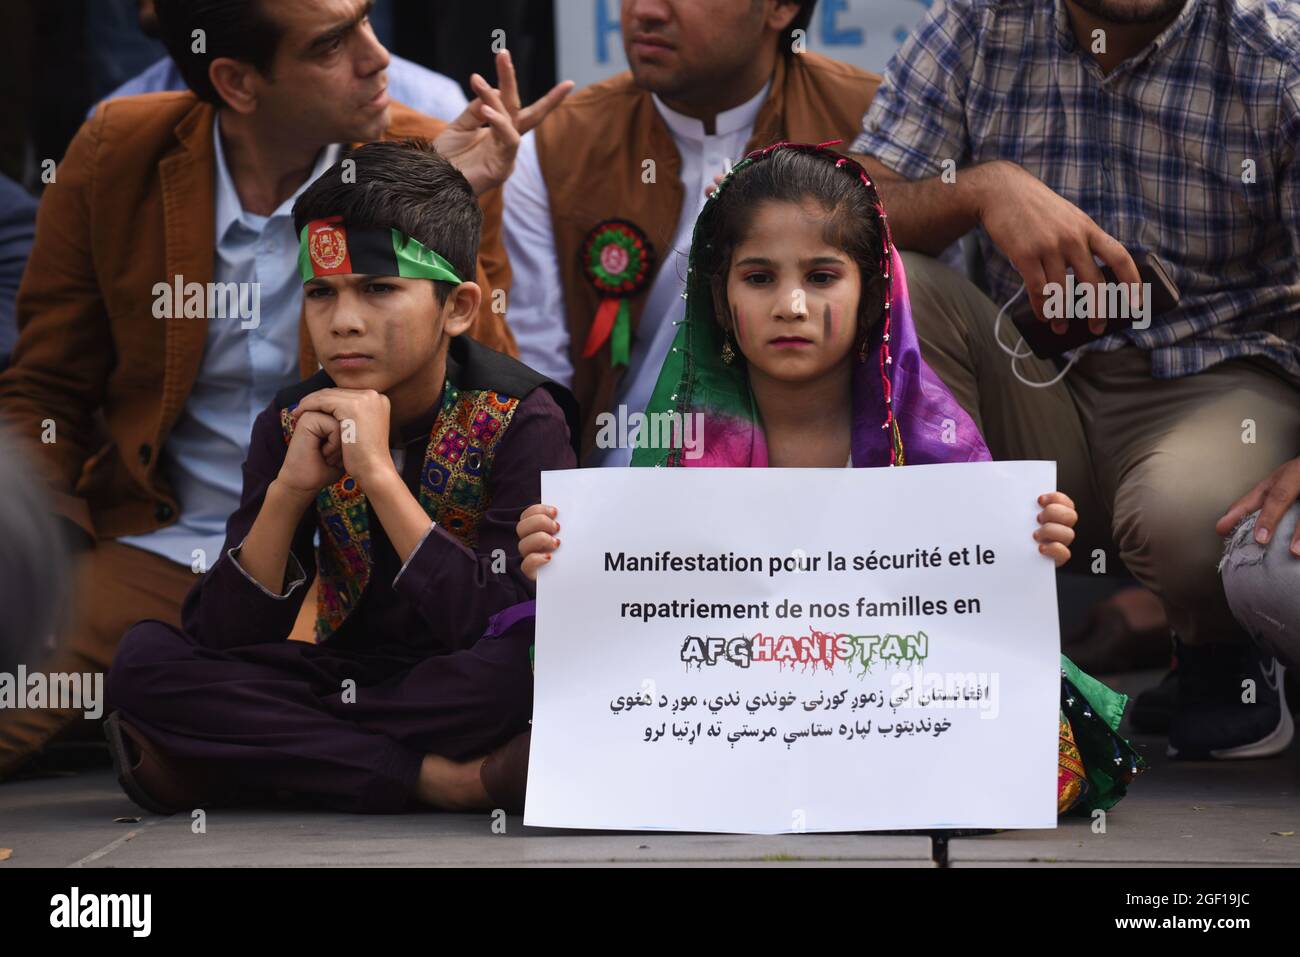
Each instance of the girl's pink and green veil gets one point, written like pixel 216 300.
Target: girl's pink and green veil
pixel 902 412
pixel 902 415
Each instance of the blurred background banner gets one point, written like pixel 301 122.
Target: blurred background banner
pixel 865 33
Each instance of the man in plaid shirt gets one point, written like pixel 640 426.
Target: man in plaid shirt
pixel 1063 132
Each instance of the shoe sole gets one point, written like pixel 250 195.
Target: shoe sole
pixel 121 767
pixel 1274 743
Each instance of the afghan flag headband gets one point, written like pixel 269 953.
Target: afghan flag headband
pixel 326 247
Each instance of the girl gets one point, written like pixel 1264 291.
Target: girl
pixel 798 350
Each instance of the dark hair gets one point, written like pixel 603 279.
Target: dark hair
pixel 800 22
pixel 794 176
pixel 238 29
pixel 405 185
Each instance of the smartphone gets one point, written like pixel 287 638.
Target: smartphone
pixel 1046 344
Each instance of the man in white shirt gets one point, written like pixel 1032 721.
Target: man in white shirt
pixel 626 162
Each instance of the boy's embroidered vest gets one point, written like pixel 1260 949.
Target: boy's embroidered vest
pixel 812 99
pixel 453 491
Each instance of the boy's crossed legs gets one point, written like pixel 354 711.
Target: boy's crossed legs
pixel 351 730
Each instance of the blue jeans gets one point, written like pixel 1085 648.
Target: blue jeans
pixel 1262 583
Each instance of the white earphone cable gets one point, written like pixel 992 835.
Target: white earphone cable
pixel 1016 354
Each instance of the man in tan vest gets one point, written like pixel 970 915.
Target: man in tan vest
pixel 160 309
pixel 600 208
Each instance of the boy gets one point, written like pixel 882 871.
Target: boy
pixel 409 457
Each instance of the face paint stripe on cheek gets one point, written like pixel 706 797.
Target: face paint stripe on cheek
pixel 738 322
pixel 828 323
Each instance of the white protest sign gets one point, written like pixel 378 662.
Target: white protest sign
pixel 784 650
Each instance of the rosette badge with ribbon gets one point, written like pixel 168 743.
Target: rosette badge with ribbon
pixel 618 259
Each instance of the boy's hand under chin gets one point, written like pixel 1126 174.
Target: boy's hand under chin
pixel 1056 524
pixel 314 458
pixel 362 417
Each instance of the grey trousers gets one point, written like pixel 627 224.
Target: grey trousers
pixel 1151 463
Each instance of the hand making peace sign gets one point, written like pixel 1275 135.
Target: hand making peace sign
pixel 486 154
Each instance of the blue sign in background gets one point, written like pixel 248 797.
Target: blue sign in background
pixel 865 33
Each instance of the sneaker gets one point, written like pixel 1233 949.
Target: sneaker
pixel 1210 719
